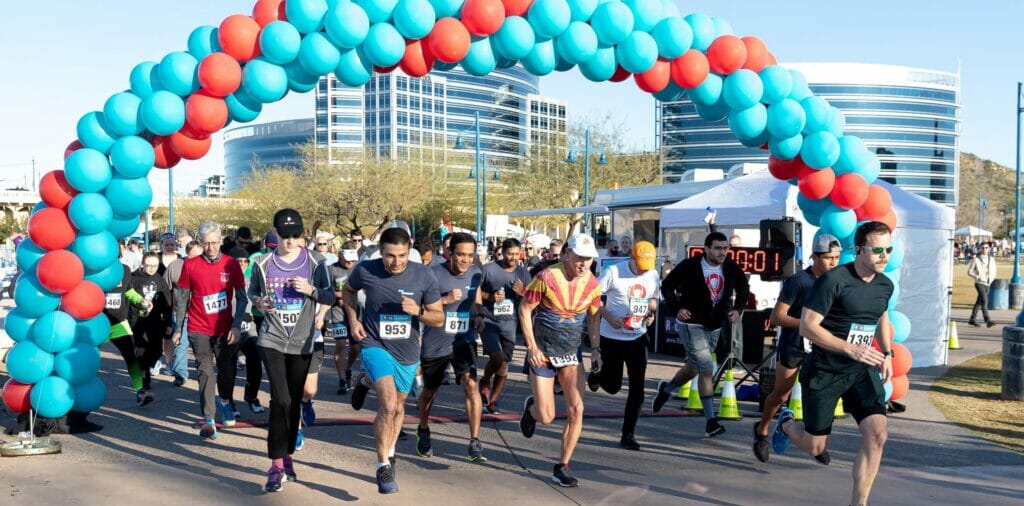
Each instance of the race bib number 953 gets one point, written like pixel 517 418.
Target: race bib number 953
pixel 395 326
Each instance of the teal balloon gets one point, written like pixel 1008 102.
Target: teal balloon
pixel 514 39
pixel 52 397
pixel 541 60
pixel 306 15
pixel 54 332
pixel 121 112
pixel 820 150
pixel 32 298
pixel 122 226
pixel 646 13
pixel 714 112
pixel 671 93
pixel 379 11
pixel 28 254
pixel 786 119
pixel 818 112
pixel 582 10
pixel 300 80
pixel 561 64
pixel 602 66
pixel 576 44
pixel 97 251
pixel 108 277
pixel 353 69
pixel 90 213
pixel 163 113
pixel 870 168
pixel 384 46
pixel 38 207
pixel 141 80
pixel 638 53
pixel 94 331
pixel 480 60
pixel 280 42
pixel 742 89
pixel 447 8
pixel 847 256
pixel 708 92
pixel 722 27
pixel 28 363
pixel 347 25
pixel 812 209
pixel 703 28
pixel 203 41
pixel 264 81
pixel 89 396
pixel 317 55
pixel 785 149
pixel 441 66
pixel 887 389
pixel 502 62
pixel 549 18
pixel 242 108
pixel 414 18
pixel 179 73
pixel 756 141
pixel 852 154
pixel 749 123
pixel 836 123
pixel 669 9
pixel 838 222
pixel 800 90
pixel 612 23
pixel 896 258
pixel 77 364
pixel 900 326
pixel 132 156
pixel 673 36
pixel 894 299
pixel 777 82
pixel 87 170
pixel 94 132
pixel 18 325
pixel 129 196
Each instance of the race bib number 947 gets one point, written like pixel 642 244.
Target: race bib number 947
pixel 861 335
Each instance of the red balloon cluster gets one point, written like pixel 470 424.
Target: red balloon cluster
pixel 166 157
pixel 55 190
pixel 417 60
pixel 50 229
pixel 449 40
pixel 620 75
pixel 483 17
pixel 219 74
pixel 205 113
pixel 656 78
pixel 60 271
pixel 850 191
pixel 189 145
pixel 239 36
pixel 74 146
pixel 17 396
pixel 84 301
pixel 816 183
pixel 690 69
pixel 516 7
pixel 726 54
pixel 268 11
pixel 785 169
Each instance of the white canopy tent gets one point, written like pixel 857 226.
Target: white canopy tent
pixel 972 231
pixel 924 230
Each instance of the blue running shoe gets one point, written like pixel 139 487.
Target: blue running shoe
pixel 300 440
pixel 386 480
pixel 780 441
pixel 227 412
pixel 308 414
pixel 208 430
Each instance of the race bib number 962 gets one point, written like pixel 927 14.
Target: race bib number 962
pixel 504 308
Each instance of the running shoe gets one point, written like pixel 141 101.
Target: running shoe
pixel 208 430
pixel 593 381
pixel 485 394
pixel 402 435
pixel 394 468
pixel 235 411
pixel 275 479
pixel 423 448
pixel 824 458
pixel 342 387
pixel 300 440
pixel 289 469
pixel 629 442
pixel 227 412
pixel 178 381
pixel 662 397
pixel 713 428
pixel 255 406
pixel 780 440
pixel 386 480
pixel 492 409
pixel 359 393
pixel 476 451
pixel 527 424
pixel 308 413
pixel 562 477
pixel 143 398
pixel 760 444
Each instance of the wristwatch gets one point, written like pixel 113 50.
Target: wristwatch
pixel 889 353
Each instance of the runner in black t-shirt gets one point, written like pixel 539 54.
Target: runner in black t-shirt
pixel 843 317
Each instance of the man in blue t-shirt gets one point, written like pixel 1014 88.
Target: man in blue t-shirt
pixel 454 343
pixel 399 296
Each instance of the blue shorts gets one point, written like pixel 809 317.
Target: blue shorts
pixel 379 363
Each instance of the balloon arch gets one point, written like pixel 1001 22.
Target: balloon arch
pixel 229 71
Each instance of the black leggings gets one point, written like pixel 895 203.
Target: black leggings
pixel 253 368
pixel 149 334
pixel 287 374
pixel 980 303
pixel 634 355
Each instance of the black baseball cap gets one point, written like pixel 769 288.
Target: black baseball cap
pixel 288 223
pixel 244 233
pixel 238 252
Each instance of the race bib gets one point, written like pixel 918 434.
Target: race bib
pixel 215 302
pixel 456 322
pixel 504 308
pixel 289 317
pixel 336 330
pixel 861 335
pixel 113 301
pixel 567 360
pixel 807 344
pixel 395 326
pixel 639 307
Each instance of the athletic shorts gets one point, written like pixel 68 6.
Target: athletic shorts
pixel 699 342
pixel 861 391
pixel 791 355
pixel 462 359
pixel 549 371
pixel 318 358
pixel 378 363
pixel 495 342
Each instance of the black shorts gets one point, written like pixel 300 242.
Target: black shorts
pixel 496 342
pixel 861 390
pixel 462 359
pixel 791 352
pixel 318 358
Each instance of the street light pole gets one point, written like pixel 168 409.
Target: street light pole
pixel 479 219
pixel 586 181
pixel 170 199
pixel 1016 213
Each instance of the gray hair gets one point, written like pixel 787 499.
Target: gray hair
pixel 206 228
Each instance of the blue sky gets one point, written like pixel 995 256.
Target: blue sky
pixel 61 59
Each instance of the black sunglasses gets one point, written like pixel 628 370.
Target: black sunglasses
pixel 879 250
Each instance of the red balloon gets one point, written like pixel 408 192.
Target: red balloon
pixel 449 40
pixel 889 219
pixel 726 54
pixel 877 205
pixel 166 157
pixel 51 229
pixel 902 361
pixel 785 169
pixel 770 60
pixel 516 7
pixel 83 301
pixel 620 75
pixel 690 69
pixel 656 78
pixel 189 145
pixel 757 54
pixel 239 36
pixel 17 396
pixel 55 189
pixel 483 17
pixel 205 113
pixel 850 192
pixel 816 184
pixel 74 146
pixel 385 70
pixel 220 74
pixel 268 11
pixel 417 60
pixel 59 271
pixel 900 387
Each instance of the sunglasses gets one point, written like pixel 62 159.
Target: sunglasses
pixel 321 244
pixel 879 250
pixel 295 236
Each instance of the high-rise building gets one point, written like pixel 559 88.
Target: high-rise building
pixel 211 187
pixel 265 145
pixel 909 117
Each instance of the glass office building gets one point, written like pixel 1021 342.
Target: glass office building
pixel 909 117
pixel 266 145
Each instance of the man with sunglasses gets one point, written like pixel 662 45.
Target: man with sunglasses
pixel 843 318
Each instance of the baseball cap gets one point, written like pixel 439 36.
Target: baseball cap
pixel 288 223
pixel 244 233
pixel 349 255
pixel 645 255
pixel 168 237
pixel 270 240
pixel 583 245
pixel 238 252
pixel 823 243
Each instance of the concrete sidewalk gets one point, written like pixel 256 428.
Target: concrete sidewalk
pixel 152 455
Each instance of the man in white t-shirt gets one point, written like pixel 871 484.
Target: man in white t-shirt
pixel 632 290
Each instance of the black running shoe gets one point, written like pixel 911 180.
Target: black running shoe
pixel 629 442
pixel 476 451
pixel 713 428
pixel 402 435
pixel 342 387
pixel 527 424
pixel 661 398
pixel 562 477
pixel 386 480
pixel 423 448
pixel 824 458
pixel 760 445
pixel 594 381
pixel 359 394
pixel 492 409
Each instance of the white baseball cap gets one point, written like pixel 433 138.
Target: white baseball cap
pixel 583 245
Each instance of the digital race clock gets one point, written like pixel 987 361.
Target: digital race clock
pixel 772 264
